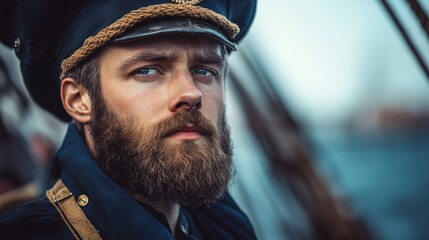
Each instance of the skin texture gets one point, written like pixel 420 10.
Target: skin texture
pixel 153 79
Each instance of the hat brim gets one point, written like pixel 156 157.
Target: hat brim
pixel 176 26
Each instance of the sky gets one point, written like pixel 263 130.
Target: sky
pixel 332 59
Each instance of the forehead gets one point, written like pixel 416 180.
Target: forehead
pixel 198 45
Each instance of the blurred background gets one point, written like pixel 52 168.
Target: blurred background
pixel 329 111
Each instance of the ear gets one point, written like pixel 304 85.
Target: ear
pixel 76 100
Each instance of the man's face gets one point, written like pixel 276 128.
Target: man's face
pixel 158 126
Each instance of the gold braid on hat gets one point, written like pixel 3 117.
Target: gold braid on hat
pixel 132 18
pixel 190 2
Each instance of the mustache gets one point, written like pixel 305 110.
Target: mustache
pixel 180 120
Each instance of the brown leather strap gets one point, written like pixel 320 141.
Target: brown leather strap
pixel 72 214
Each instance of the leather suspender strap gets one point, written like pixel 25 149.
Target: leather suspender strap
pixel 72 214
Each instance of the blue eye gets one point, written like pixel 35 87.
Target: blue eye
pixel 204 72
pixel 147 71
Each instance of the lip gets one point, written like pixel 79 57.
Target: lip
pixel 188 132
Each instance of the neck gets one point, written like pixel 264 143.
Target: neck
pixel 170 211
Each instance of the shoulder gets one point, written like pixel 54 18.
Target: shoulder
pixel 224 219
pixel 37 219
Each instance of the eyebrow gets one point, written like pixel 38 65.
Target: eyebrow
pixel 210 58
pixel 145 57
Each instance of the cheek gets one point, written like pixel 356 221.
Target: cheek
pixel 213 104
pixel 131 101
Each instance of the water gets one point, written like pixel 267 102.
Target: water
pixel 383 175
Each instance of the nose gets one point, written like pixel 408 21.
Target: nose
pixel 184 93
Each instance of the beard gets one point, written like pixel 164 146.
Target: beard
pixel 150 168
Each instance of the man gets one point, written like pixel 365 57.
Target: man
pixel 147 155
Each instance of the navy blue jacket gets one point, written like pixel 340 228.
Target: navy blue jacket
pixel 112 211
